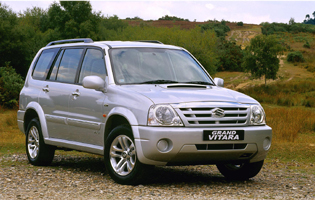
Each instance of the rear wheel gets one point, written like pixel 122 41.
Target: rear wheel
pixel 38 153
pixel 241 171
pixel 121 158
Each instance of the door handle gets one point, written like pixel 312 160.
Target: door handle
pixel 46 88
pixel 76 93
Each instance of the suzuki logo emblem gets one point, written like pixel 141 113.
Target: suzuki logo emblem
pixel 217 113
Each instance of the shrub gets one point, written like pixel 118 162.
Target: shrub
pixel 230 56
pixel 220 28
pixel 268 29
pixel 172 18
pixel 295 56
pixel 240 24
pixel 307 45
pixel 10 85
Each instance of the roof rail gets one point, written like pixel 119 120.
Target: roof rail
pixel 85 40
pixel 151 41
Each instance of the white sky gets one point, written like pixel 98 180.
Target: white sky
pixel 247 11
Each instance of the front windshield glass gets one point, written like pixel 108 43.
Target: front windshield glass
pixel 156 66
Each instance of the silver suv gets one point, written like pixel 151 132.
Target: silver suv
pixel 139 104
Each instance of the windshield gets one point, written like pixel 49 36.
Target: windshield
pixel 156 66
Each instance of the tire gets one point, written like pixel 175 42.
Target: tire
pixel 121 159
pixel 38 153
pixel 242 171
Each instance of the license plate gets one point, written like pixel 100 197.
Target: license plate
pixel 223 135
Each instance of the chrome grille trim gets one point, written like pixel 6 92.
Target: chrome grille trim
pixel 200 114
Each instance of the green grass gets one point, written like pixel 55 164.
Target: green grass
pixel 296 43
pixel 291 93
pixel 12 139
pixel 295 156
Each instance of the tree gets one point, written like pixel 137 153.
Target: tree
pixel 292 21
pixel 12 37
pixel 11 84
pixel 307 17
pixel 73 19
pixel 309 20
pixel 261 57
pixel 230 56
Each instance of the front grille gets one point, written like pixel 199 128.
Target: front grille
pixel 203 115
pixel 220 146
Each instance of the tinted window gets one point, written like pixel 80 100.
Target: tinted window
pixel 56 66
pixel 141 65
pixel 186 68
pixel 43 63
pixel 69 65
pixel 93 64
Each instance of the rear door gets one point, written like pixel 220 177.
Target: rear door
pixel 56 91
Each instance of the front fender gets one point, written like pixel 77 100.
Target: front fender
pixel 130 117
pixel 127 114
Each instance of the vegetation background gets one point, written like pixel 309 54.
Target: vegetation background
pixel 222 47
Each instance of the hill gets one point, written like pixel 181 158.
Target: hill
pixel 241 34
pixel 184 24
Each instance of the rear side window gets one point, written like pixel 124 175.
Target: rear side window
pixel 54 71
pixel 43 63
pixel 69 64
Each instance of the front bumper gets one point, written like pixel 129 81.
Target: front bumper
pixel 186 145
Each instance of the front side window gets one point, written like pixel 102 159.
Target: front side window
pixel 43 63
pixel 93 65
pixel 69 64
pixel 147 65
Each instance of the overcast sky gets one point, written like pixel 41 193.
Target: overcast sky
pixel 246 11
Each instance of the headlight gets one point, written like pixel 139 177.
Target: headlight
pixel 163 115
pixel 257 116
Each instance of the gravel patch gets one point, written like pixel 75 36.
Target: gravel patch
pixel 82 177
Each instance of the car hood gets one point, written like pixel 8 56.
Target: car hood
pixel 176 93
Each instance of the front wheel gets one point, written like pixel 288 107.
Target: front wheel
pixel 241 171
pixel 121 158
pixel 38 153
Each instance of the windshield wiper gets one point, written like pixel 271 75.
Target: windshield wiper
pixel 199 82
pixel 158 82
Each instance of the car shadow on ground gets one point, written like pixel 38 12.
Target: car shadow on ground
pixel 173 175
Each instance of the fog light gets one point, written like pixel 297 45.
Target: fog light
pixel 267 143
pixel 164 145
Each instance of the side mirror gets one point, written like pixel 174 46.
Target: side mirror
pixel 219 82
pixel 94 82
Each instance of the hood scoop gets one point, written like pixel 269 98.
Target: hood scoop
pixel 187 86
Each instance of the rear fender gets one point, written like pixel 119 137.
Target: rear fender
pixel 41 115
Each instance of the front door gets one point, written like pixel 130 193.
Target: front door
pixel 86 106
